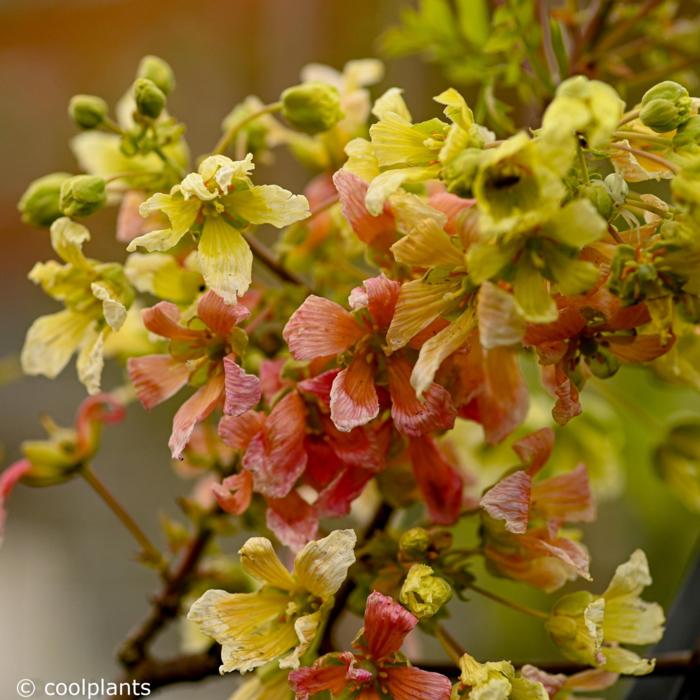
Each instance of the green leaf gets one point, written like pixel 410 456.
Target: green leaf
pixel 474 20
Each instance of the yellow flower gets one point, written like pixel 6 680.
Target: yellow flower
pixel 281 619
pixel 590 628
pixel 96 296
pixel 216 203
pixel 494 680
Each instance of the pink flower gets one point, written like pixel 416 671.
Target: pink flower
pixel 201 352
pixel 376 669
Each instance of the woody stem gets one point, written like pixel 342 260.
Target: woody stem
pixel 508 603
pixel 449 643
pixel 269 259
pixel 150 551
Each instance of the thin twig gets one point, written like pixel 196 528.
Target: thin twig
pixel 270 260
pixel 508 603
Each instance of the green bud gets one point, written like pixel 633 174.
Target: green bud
pixel 158 71
pixel 414 541
pixel 312 107
pixel 688 134
pixel 150 99
pixel 87 111
pixel 82 195
pixel 459 173
pixel 423 592
pixel 598 194
pixel 603 364
pixel 40 204
pixel 665 107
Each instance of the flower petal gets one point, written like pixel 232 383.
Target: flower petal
pixel 156 378
pixel 163 319
pixel 427 245
pixel 354 400
pixel 320 328
pixel 193 411
pixel 259 559
pixel 292 519
pixel 219 316
pixel 382 294
pixel 500 324
pixel 241 390
pixel 534 449
pixel 234 493
pixel 566 497
pixel 321 567
pixel 267 204
pixel 386 625
pixel 410 683
pixel 238 431
pixel 509 500
pixel 9 478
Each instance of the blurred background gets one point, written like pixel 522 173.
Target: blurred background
pixel 69 588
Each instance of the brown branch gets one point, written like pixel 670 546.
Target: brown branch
pixel 269 259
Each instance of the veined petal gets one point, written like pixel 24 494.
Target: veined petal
pixel 241 390
pixel 391 102
pixel 630 578
pixel 193 411
pixel 90 360
pixel 225 258
pixel 321 567
pixel 267 204
pixel 181 213
pixel 566 497
pixel 276 456
pixel 156 241
pixel 509 500
pixel 385 184
pixel 238 431
pixel 377 230
pixel 633 621
pixel 113 310
pixel 534 449
pixel 292 519
pixel 620 660
pixel 386 625
pixel 163 319
pixel 532 294
pixel 219 316
pixel 639 348
pixel 439 482
pixel 361 159
pixel 411 415
pixel 163 276
pixel 327 673
pixel 234 493
pixel 500 324
pixel 418 305
pixel 259 559
pixel 306 628
pixel 410 683
pixel 427 245
pixel 51 341
pixel 67 238
pixel 382 294
pixel 320 328
pixel 440 346
pixel 451 206
pixel 354 400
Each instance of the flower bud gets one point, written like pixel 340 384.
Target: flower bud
pixel 53 461
pixel 150 99
pixel 665 107
pixel 602 363
pixel 87 111
pixel 312 107
pixel 40 204
pixel 82 195
pixel 423 592
pixel 414 542
pixel 688 134
pixel 158 71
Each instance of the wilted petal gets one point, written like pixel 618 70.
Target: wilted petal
pixel 90 360
pixel 439 482
pixel 413 416
pixel 219 316
pixel 234 493
pixel 259 559
pixel 500 324
pixel 386 625
pixel 534 449
pixel 566 497
pixel 327 673
pixel 336 498
pixel 354 400
pixel 509 500
pixel 567 405
pixel 427 245
pixel 276 456
pixel 241 390
pixel 410 683
pixel 193 411
pixel 320 328
pixel 639 348
pixel 238 431
pixel 382 294
pixel 292 519
pixel 156 378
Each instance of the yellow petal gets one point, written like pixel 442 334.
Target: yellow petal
pixel 427 245
pixel 361 159
pixel 112 309
pixel 225 259
pixel 91 360
pixel 161 275
pixel 391 103
pixel 259 559
pixel 267 204
pixel 630 578
pixel 384 185
pixel 51 341
pixel 67 238
pixel 323 564
pixel 619 660
pixel 306 628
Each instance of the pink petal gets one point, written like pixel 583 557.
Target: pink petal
pixel 238 431
pixel 337 498
pixel 271 380
pixel 378 231
pixel 566 497
pixel 639 348
pixel 452 206
pixel 156 378
pixel 557 382
pixel 8 480
pixel 509 500
pixel 410 683
pixel 354 399
pixel 293 520
pixel 193 411
pixel 439 482
pixel 320 386
pixel 323 465
pixel 534 449
pixel 234 493
pixel 242 390
pixel 320 328
pixel 163 319
pixel 366 446
pixel 413 416
pixel 130 223
pixel 219 316
pixel 552 683
pixel 276 456
pixel 567 551
pixel 386 625
pixel 382 295
pixel 331 672
pixel 94 412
